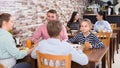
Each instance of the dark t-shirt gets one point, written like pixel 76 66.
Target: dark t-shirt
pixel 74 25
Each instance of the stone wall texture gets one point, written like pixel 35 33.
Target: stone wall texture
pixel 29 14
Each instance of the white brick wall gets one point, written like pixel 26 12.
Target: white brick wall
pixel 28 14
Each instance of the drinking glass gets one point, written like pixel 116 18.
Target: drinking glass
pixel 86 45
pixel 28 43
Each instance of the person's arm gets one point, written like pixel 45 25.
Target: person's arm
pixel 108 27
pixel 33 54
pixel 13 51
pixel 95 27
pixel 68 29
pixel 63 33
pixel 78 56
pixel 68 24
pixel 97 43
pixel 36 35
pixel 73 39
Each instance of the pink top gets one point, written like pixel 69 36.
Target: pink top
pixel 42 33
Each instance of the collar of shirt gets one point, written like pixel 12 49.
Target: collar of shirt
pixel 54 41
pixel 102 21
pixel 5 31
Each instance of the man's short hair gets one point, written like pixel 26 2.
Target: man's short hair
pixel 52 11
pixel 54 28
pixel 4 17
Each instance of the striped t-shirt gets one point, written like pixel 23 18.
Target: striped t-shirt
pixel 91 38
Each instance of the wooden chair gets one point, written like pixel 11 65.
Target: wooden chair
pixel 1 66
pixel 113 26
pixel 105 38
pixel 45 60
pixel 116 38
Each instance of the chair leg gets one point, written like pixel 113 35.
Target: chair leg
pixel 117 47
pixel 108 59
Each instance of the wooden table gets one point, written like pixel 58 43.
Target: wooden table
pixel 113 45
pixel 95 56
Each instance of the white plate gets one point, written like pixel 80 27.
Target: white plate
pixel 77 46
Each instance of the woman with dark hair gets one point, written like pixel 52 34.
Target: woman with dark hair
pixel 73 23
pixel 102 25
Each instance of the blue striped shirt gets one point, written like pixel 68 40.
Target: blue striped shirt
pixel 92 38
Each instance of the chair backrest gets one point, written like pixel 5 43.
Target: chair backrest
pixel 53 61
pixel 1 66
pixel 105 38
pixel 113 26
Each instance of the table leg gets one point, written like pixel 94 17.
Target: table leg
pixel 76 65
pixel 110 54
pixel 118 41
pixel 104 61
pixel 92 65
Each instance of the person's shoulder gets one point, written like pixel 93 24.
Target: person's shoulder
pixel 96 22
pixel 65 43
pixel 105 21
pixel 63 26
pixel 43 41
pixel 93 35
pixel 42 25
pixel 80 33
pixel 78 22
pixel 5 33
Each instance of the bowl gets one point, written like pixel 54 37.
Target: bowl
pixel 74 31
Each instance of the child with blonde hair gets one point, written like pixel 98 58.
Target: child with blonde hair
pixel 87 36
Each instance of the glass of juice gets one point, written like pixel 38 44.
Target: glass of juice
pixel 86 45
pixel 28 43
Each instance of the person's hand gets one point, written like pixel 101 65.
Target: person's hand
pixel 34 45
pixel 37 41
pixel 68 29
pixel 81 47
pixel 31 49
pixel 87 45
pixel 90 46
